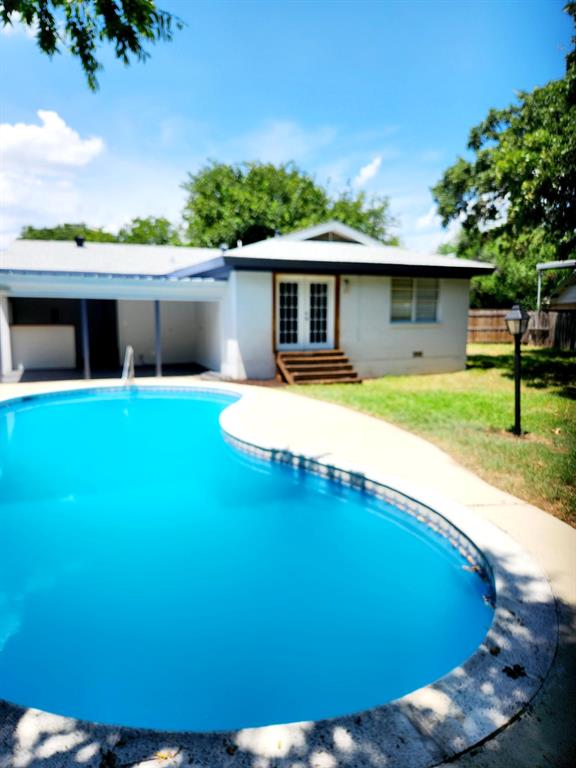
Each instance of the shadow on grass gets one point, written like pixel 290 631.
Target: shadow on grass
pixel 541 369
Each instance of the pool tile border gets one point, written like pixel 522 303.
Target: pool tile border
pixel 418 511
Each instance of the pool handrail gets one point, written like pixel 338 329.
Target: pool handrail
pixel 128 372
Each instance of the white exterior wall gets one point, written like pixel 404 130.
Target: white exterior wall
pixel 178 331
pixel 377 347
pixel 247 347
pixel 189 332
pixel 5 340
pixel 207 347
pixel 43 346
pixel 136 327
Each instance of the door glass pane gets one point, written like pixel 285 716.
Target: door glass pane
pixel 288 313
pixel 318 313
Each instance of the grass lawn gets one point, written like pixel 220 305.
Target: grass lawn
pixel 469 413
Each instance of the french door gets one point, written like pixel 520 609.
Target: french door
pixel 304 312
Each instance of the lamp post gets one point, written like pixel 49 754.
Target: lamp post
pixel 517 322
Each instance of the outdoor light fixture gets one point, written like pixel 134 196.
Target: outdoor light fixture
pixel 517 322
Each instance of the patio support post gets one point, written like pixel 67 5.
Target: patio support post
pixel 158 338
pixel 85 337
pixel 5 340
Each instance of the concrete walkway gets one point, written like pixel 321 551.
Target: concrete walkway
pixel 545 733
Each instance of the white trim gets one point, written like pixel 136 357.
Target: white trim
pixel 338 228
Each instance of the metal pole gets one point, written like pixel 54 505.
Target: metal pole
pixel 517 374
pixel 539 296
pixel 85 337
pixel 158 331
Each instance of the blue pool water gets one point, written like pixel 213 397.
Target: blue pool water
pixel 152 575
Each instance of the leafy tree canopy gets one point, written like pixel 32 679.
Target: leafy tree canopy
pixel 79 26
pixel 515 259
pixel 252 201
pixel 67 232
pixel 516 198
pixel 151 230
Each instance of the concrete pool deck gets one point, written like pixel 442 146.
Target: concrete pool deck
pixel 541 735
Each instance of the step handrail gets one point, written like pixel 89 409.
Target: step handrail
pixel 128 367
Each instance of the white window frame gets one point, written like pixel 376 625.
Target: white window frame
pixel 413 320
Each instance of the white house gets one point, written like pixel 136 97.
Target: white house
pixel 238 312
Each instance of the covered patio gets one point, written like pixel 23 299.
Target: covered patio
pixel 57 325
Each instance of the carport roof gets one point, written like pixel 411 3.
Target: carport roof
pixel 100 258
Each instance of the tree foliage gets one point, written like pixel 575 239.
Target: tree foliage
pixel 79 26
pixel 515 259
pixel 252 201
pixel 68 232
pixel 151 230
pixel 516 197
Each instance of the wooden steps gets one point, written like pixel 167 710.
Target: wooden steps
pixel 319 366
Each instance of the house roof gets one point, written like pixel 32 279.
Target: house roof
pixel 287 255
pixel 304 251
pixel 99 258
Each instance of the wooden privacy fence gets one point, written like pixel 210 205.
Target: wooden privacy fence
pixel 545 329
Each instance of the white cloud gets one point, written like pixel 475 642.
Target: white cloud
pixel 48 147
pixel 17 28
pixel 368 172
pixel 430 220
pixel 39 169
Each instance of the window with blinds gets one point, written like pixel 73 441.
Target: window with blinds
pixel 414 300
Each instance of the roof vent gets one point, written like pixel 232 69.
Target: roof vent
pixel 80 241
pixel 223 247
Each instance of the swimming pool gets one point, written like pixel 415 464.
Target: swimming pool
pixel 153 575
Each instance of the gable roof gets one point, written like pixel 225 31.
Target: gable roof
pixel 333 231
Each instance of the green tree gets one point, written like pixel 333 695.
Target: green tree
pixel 515 259
pixel 252 201
pixel 67 232
pixel 516 197
pixel 151 230
pixel 370 215
pixel 79 26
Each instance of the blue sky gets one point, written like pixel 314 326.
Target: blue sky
pixel 380 95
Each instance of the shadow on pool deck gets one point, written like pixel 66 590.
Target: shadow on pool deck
pixel 413 736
